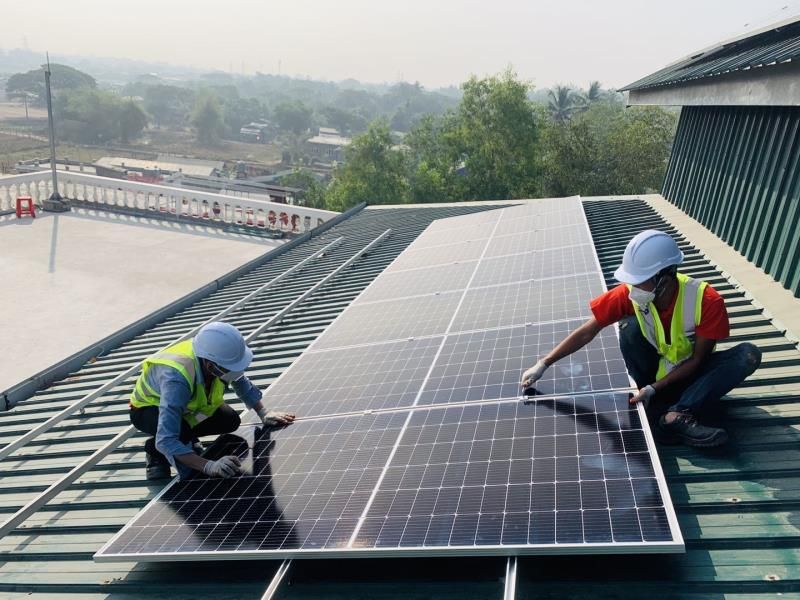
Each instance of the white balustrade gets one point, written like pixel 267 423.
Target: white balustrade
pixel 178 202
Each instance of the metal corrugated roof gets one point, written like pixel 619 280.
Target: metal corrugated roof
pixel 763 49
pixel 737 507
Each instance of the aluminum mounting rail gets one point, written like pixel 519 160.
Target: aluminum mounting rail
pixel 18 443
pixel 272 589
pixel 56 488
pixel 510 589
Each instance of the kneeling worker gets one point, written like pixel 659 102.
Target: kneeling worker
pixel 669 325
pixel 178 398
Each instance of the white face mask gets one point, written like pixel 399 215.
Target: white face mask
pixel 640 297
pixel 231 376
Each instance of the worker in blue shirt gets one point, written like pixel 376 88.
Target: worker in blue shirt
pixel 178 398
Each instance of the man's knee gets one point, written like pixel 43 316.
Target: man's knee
pixel 230 419
pixel 749 357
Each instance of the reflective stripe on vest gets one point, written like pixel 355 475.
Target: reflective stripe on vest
pixel 685 317
pixel 181 358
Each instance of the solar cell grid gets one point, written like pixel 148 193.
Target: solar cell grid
pixel 514 474
pixel 310 484
pixel 487 218
pixel 536 239
pixel 371 377
pixel 535 265
pixel 486 365
pixel 536 301
pixel 391 320
pixel 439 255
pixel 419 281
pixel 428 239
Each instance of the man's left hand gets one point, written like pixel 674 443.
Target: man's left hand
pixel 643 395
pixel 272 418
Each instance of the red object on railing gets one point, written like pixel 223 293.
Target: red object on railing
pixel 249 214
pixel 25 207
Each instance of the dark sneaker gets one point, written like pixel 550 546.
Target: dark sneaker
pixel 685 428
pixel 157 467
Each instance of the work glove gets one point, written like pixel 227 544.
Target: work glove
pixel 533 374
pixel 644 395
pixel 225 467
pixel 272 418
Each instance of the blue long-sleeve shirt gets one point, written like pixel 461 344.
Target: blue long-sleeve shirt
pixel 175 396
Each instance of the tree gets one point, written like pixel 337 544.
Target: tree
pixel 346 121
pixel 312 192
pixel 169 105
pixel 62 78
pixel 132 120
pixel 608 150
pixel 373 172
pixel 207 119
pixel 294 117
pixel 495 132
pixel 562 103
pixel 595 92
pixel 88 116
pixel 238 112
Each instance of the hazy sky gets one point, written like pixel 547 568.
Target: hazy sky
pixel 435 42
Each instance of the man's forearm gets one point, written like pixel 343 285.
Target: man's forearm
pixel 192 460
pixel 571 344
pixel 681 373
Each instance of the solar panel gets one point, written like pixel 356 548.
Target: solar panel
pixel 552 476
pixel 415 282
pixel 372 377
pixel 534 301
pixel 535 265
pixel 413 438
pixel 391 320
pixel 487 364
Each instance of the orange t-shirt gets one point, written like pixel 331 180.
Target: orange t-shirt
pixel 615 304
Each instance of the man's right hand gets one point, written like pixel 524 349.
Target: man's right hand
pixel 225 467
pixel 533 374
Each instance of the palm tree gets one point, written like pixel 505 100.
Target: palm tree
pixel 595 92
pixel 562 103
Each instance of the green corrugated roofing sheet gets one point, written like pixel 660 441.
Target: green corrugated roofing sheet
pixel 772 47
pixel 737 507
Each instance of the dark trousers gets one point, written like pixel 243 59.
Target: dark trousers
pixel 717 376
pixel 224 420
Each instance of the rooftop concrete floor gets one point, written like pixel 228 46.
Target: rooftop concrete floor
pixel 69 280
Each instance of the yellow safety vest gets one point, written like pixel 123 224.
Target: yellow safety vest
pixel 685 317
pixel 180 356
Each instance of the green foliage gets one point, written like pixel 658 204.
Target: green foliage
pixel 207 119
pixel 373 172
pixel 241 111
pixel 496 133
pixel 294 117
pixel 608 150
pixel 563 102
pixel 132 121
pixel 62 78
pixel 169 105
pixel 346 121
pixel 91 116
pixel 313 191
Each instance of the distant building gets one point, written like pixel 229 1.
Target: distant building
pixel 328 145
pixel 258 132
pixel 163 165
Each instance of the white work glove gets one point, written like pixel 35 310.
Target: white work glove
pixel 644 395
pixel 225 467
pixel 533 374
pixel 271 418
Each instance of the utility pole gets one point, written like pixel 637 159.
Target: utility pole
pixel 55 203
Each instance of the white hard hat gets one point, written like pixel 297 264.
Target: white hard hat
pixel 222 344
pixel 646 254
